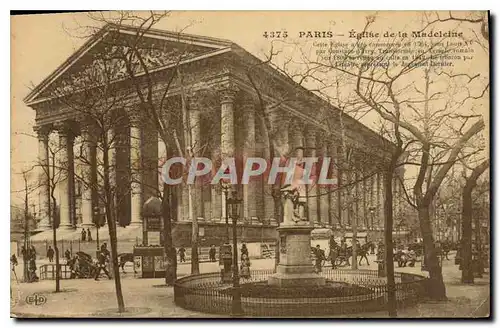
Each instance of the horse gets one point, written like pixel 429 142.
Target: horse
pixel 363 252
pixel 124 258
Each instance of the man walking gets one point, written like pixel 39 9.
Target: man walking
pixel 333 253
pixel 50 254
pixel 84 234
pixel 101 265
pixel 89 235
pixel 320 256
pixel 182 254
pixel 211 253
pixel 14 263
pixel 67 255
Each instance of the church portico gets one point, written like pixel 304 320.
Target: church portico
pixel 228 115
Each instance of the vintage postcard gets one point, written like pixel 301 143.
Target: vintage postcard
pixel 227 164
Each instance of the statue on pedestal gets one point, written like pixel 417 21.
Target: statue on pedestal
pixel 293 206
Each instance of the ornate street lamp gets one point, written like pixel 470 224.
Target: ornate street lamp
pixel 372 212
pixel 97 223
pixel 225 190
pixel 234 206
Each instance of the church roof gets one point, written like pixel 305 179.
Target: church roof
pixel 164 44
pixel 201 46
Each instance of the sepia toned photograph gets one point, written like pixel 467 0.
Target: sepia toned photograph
pixel 250 164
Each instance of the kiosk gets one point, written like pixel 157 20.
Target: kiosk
pixel 150 255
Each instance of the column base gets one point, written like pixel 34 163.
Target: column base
pixel 135 224
pixel 86 225
pixel 44 226
pixel 66 227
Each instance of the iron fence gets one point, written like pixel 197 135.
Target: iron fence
pixel 207 293
pixel 48 271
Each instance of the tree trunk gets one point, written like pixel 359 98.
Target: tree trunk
pixel 170 254
pixel 436 290
pixel 466 243
pixel 389 261
pixel 276 194
pixel 354 226
pixel 195 263
pixel 54 241
pixel 112 233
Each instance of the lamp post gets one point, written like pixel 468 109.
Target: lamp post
pixel 234 204
pixel 372 212
pixel 225 190
pixel 97 222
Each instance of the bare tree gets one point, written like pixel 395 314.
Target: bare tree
pixel 175 120
pixel 467 213
pixel 90 98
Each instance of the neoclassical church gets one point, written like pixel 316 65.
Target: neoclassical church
pixel 228 93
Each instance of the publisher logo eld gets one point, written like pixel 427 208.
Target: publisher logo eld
pixel 36 299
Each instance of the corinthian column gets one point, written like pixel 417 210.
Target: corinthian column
pixel 312 190
pixel 65 185
pixel 195 133
pixel 324 198
pixel 43 177
pixel 216 191
pixel 380 200
pixel 227 142
pixel 136 200
pixel 250 190
pixel 88 175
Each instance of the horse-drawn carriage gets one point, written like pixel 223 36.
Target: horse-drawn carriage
pixel 82 266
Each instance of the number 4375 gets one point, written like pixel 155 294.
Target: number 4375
pixel 275 34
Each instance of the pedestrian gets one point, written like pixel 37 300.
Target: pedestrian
pixel 412 257
pixel 32 270
pixel 244 250
pixel 84 234
pixel 101 265
pixel 89 235
pixel 372 248
pixel 245 266
pixel 74 266
pixel 363 253
pixel 343 252
pixel 50 254
pixel 333 253
pixel 67 255
pixel 14 263
pixel 182 254
pixel 32 252
pixel 211 253
pixel 446 249
pixel 104 249
pixel 320 256
pixel 24 253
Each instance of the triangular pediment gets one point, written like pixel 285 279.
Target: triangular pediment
pixel 113 53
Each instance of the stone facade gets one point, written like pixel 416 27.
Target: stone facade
pixel 229 115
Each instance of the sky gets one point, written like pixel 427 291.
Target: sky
pixel 39 44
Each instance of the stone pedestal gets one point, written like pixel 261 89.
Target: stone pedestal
pixel 295 268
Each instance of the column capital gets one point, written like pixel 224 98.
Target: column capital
pixel 135 119
pixel 42 131
pixel 227 93
pixel 64 128
pixel 194 102
pixel 296 124
pixel 310 131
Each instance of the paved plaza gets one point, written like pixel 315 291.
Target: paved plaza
pixel 86 297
